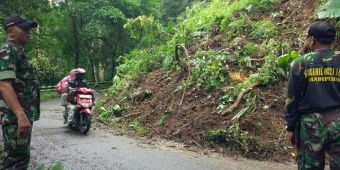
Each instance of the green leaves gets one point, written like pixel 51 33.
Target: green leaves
pixel 58 166
pixel 285 60
pixel 329 10
pixel 146 30
pixel 208 70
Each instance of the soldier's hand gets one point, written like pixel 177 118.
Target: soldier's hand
pixel 24 127
pixel 291 139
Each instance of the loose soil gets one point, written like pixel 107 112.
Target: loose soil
pixel 186 115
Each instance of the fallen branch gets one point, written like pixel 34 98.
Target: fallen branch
pixel 103 122
pixel 185 66
pixel 239 98
pixel 130 115
pixel 257 59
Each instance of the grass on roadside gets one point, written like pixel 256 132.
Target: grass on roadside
pixel 47 94
pixel 57 166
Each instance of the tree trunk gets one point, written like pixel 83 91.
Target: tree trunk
pixel 75 36
pixel 76 41
pixel 92 69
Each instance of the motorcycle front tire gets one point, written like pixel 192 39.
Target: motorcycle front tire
pixel 84 123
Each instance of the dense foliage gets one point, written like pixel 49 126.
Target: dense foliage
pixel 78 34
pixel 221 36
pixel 329 10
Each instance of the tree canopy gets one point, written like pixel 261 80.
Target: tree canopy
pixel 78 33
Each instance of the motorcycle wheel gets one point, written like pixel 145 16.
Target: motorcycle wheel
pixel 85 123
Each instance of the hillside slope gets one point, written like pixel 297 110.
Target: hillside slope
pixel 159 104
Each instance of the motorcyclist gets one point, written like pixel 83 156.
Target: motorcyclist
pixel 63 88
pixel 78 82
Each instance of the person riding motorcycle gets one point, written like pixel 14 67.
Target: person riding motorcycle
pixel 78 82
pixel 75 78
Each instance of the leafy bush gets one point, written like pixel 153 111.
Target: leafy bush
pixel 208 69
pixel 284 61
pixel 237 27
pixel 137 127
pixel 329 10
pixel 114 110
pixel 49 75
pixel 200 18
pixel 260 6
pixel 58 166
pixel 233 138
pixel 249 49
pixel 263 29
pixel 269 71
pixel 146 30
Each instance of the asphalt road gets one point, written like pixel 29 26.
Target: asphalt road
pixel 54 142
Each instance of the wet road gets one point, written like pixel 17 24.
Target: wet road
pixel 53 142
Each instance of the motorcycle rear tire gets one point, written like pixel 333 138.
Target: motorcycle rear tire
pixel 85 123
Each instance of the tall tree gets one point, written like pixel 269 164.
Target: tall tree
pixel 79 33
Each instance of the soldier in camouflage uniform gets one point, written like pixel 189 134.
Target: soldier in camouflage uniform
pixel 312 111
pixel 19 94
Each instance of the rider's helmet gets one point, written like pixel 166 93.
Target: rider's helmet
pixel 73 71
pixel 80 70
pixel 80 73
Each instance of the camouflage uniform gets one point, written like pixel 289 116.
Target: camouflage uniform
pixel 313 109
pixel 15 64
pixel 319 133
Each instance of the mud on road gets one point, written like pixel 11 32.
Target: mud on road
pixel 54 142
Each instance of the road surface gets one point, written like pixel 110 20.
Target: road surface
pixel 100 149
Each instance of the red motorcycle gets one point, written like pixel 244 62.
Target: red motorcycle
pixel 79 108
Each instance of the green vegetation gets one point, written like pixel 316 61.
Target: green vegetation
pixel 124 40
pixel 163 118
pixel 208 70
pixel 47 94
pixel 111 111
pixel 245 37
pixel 329 10
pixel 57 166
pixel 286 60
pixel 137 127
pixel 235 139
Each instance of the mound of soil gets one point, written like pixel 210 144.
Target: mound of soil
pixel 164 116
pixel 185 115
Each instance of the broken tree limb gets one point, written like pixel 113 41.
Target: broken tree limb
pixel 103 122
pixel 184 65
pixel 131 115
pixel 239 98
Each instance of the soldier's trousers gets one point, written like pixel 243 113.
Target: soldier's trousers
pixel 16 151
pixel 319 134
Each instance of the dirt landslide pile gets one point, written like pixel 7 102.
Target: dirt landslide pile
pixel 185 117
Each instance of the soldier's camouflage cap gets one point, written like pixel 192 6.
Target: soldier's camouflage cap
pixel 19 21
